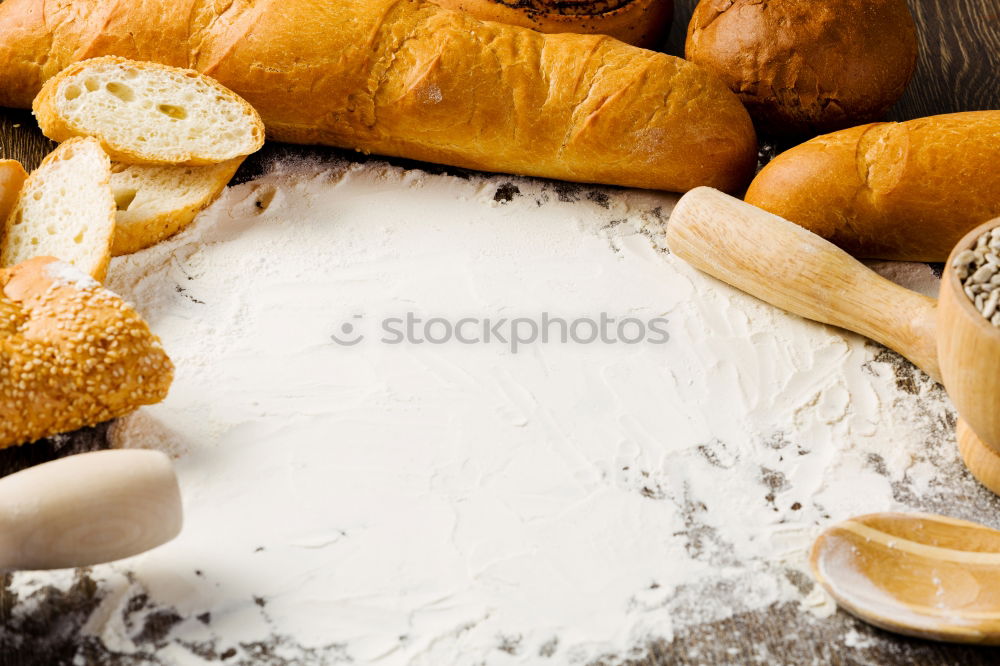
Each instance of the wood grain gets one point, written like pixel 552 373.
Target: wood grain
pixel 957 70
pixel 20 138
pixel 969 350
pixel 88 509
pixel 959 63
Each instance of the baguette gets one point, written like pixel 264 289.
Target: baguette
pixel 906 191
pixel 637 22
pixel 144 113
pixel 72 354
pixel 411 79
pixel 155 202
pixel 12 176
pixel 65 210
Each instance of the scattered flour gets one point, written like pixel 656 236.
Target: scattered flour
pixel 421 504
pixel 66 274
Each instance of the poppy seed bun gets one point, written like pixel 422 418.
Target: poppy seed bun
pixel 807 66
pixel 639 22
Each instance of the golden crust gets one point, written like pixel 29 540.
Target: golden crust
pixel 72 354
pixel 802 66
pixel 12 176
pixel 58 128
pixel 905 191
pixel 136 236
pixel 642 23
pixel 410 79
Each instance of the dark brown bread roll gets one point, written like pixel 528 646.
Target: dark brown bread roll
pixel 807 66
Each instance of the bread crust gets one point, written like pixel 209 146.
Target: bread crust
pixel 643 23
pixel 100 268
pixel 803 66
pixel 12 176
pixel 72 354
pixel 59 128
pixel 136 236
pixel 905 191
pixel 410 79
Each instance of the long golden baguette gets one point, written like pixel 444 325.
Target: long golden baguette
pixel 906 191
pixel 408 78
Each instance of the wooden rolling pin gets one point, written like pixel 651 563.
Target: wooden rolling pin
pixel 87 509
pixel 796 270
pixel 785 265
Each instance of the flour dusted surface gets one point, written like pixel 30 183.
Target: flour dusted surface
pixel 429 504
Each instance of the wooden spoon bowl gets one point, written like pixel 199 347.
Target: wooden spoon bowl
pixel 915 574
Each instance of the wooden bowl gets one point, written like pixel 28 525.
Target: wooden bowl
pixel 969 354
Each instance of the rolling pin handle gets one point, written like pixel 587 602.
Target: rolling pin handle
pixel 794 269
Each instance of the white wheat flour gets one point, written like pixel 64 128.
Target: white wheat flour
pixel 461 504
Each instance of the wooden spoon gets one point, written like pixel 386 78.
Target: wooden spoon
pixel 87 509
pixel 915 574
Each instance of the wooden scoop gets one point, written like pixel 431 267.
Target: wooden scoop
pixel 915 574
pixel 783 264
pixel 87 509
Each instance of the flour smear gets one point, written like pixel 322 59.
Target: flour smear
pixel 463 504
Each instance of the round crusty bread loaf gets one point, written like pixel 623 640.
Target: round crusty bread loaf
pixel 639 22
pixel 72 354
pixel 807 66
pixel 905 191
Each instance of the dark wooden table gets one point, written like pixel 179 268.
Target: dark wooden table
pixel 958 70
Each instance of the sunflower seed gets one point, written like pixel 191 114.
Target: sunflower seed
pixel 978 269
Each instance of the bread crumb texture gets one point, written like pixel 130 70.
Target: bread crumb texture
pixel 149 113
pixel 65 210
pixel 155 202
pixel 72 354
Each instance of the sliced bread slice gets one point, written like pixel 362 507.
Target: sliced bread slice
pixel 155 202
pixel 12 176
pixel 145 113
pixel 65 210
